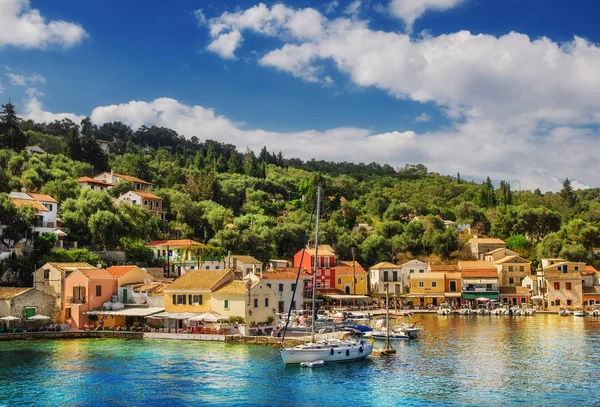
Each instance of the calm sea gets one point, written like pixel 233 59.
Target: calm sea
pixel 476 361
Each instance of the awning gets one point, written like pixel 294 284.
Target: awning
pixel 475 295
pixel 174 315
pixel 209 317
pixel 429 295
pixel 347 297
pixel 452 295
pixel 128 312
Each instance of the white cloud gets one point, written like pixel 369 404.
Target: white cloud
pixel 199 15
pixel 423 118
pixel 22 80
pixel 331 6
pixel 23 26
pixel 411 10
pixel 226 44
pixel 33 110
pixel 353 8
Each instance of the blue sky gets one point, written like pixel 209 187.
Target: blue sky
pixel 484 87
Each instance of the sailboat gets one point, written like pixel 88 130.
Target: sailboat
pixel 315 353
pixel 387 350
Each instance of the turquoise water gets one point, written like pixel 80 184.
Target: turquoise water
pixel 477 361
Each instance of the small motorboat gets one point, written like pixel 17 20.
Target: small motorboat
pixel 529 311
pixel 316 363
pixel 410 329
pixel 564 312
pixel 465 311
pixel 579 312
pixel 483 311
pixel 383 335
pixel 500 311
pixel 356 329
pixel 444 311
pixel 595 313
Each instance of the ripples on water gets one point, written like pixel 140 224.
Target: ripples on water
pixel 478 361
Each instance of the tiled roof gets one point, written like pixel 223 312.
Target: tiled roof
pixel 557 275
pixel 93 181
pixel 590 268
pixel 96 274
pixel 476 265
pixel 430 275
pixel 131 178
pixel 285 273
pixel 347 270
pixel 237 287
pixel 496 250
pixel 199 280
pixel 147 195
pixel 591 290
pixel 512 259
pixel 385 265
pixel 8 293
pixel 487 240
pixel 246 259
pixel 412 261
pixel 70 266
pixel 19 203
pixel 452 268
pixel 174 243
pixel 42 197
pixel 451 276
pixel 152 289
pixel 483 273
pixel 520 290
pixel 118 271
pixel 321 252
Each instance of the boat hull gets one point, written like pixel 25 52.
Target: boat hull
pixel 327 352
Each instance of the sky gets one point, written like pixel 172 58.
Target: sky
pixel 506 89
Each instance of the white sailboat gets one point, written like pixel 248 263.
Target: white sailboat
pixel 328 350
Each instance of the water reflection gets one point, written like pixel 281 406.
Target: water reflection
pixel 478 360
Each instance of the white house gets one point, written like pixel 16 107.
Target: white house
pixel 246 264
pixel 412 267
pixel 151 202
pixel 113 178
pixel 386 272
pixel 94 184
pixel 283 282
pixel 45 205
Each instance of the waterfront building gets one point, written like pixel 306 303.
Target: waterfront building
pixel 86 290
pixel 125 275
pixel 146 200
pixel 25 302
pixel 387 273
pixel 351 278
pixel 45 206
pixel 192 292
pixel 326 282
pixel 515 295
pixel 452 286
pixel 114 179
pixel 480 246
pixel 283 282
pixel 427 289
pixel 512 270
pixel 479 279
pixel 565 289
pixel 50 279
pixel 151 294
pixel 411 267
pixel 93 184
pixel 246 264
pixel 177 262
pixel 250 298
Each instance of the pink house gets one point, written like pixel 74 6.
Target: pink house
pixel 86 290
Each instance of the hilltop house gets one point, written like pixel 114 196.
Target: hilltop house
pixel 46 208
pixel 177 262
pixel 246 264
pixel 94 184
pixel 146 200
pixel 114 179
pixel 480 246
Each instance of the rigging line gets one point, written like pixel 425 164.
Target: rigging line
pixel 306 236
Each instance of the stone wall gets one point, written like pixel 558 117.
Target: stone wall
pixel 263 340
pixel 44 304
pixel 70 335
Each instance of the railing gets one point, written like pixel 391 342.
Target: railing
pixel 75 300
pixel 480 289
pixel 46 225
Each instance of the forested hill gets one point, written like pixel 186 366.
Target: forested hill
pixel 259 204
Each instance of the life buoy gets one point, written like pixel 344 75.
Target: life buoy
pixel 331 352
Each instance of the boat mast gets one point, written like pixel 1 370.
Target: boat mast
pixel 387 317
pixel 314 291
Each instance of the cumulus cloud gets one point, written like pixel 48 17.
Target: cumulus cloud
pixel 23 26
pixel 33 109
pixel 423 118
pixel 22 80
pixel 411 10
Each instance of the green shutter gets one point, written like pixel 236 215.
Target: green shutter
pixel 200 299
pixel 174 299
pixel 183 299
pixel 190 300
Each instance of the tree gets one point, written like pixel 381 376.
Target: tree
pixel 17 222
pixel 121 188
pixel 567 193
pixel 11 136
pixel 136 251
pixel 105 228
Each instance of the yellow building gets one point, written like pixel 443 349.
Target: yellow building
pixel 351 278
pixel 427 288
pixel 452 287
pixel 191 293
pixel 251 299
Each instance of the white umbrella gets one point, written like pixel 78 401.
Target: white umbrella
pixel 482 299
pixel 59 232
pixel 8 319
pixel 38 317
pixel 537 297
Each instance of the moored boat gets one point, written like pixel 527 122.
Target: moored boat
pixel 579 312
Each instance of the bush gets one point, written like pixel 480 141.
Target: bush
pixel 136 251
pixel 235 319
pixel 74 256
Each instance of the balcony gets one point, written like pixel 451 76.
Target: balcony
pixel 75 300
pixel 480 289
pixel 49 225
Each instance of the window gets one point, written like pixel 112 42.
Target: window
pixel 394 276
pixel 505 300
pixel 48 206
pixel 421 271
pixel 576 268
pixel 197 299
pixel 385 275
pixel 281 287
pixel 266 302
pixel 567 286
pixel 216 267
pixel 226 304
pixel 339 281
pixel 552 303
pixel 557 286
pixel 178 299
pixel 433 284
pixel 327 272
pixel 521 268
pixel 208 267
pixel 569 302
pixel 98 290
pixel 269 285
pixel 557 302
pixel 68 313
pixel 511 280
pixel 293 286
pixel 256 303
pixel 421 284
pixel 46 274
pixel 510 268
pixel 488 287
pixel 592 302
pixel 411 271
pixel 522 300
pixel 145 202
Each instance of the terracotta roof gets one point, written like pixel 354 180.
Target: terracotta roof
pixel 285 273
pixel 497 250
pixel 42 197
pixel 483 273
pixel 118 271
pixel 8 293
pixel 152 289
pixel 451 276
pixel 321 252
pixel 452 268
pixel 487 240
pixel 174 243
pixel 520 290
pixel 476 265
pixel 93 181
pixel 385 265
pixel 590 268
pixel 557 275
pixel 71 266
pixel 147 195
pixel 96 274
pixel 246 259
pixel 20 203
pixel 237 287
pixel 430 275
pixel 346 268
pixel 199 280
pixel 512 259
pixel 591 290
pixel 131 178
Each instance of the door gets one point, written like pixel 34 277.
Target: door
pixel 281 307
pixel 434 301
pixel 347 289
pixel 124 296
pixel 453 286
pixel 29 312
